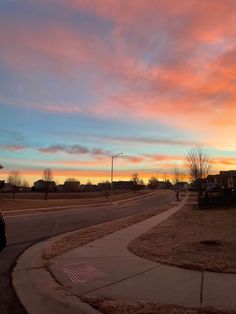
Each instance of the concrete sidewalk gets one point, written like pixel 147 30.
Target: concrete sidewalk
pixel 106 268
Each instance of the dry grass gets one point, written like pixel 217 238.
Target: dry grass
pixel 69 199
pixel 108 306
pixel 81 237
pixel 178 240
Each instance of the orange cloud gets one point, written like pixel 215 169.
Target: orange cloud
pixel 188 83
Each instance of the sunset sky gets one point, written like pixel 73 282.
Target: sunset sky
pixel 82 80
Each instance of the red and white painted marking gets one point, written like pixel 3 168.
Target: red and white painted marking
pixel 83 272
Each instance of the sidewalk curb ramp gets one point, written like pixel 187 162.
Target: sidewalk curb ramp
pixel 38 291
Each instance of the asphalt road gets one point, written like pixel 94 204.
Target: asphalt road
pixel 24 231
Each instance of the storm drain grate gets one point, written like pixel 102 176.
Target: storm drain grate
pixel 80 273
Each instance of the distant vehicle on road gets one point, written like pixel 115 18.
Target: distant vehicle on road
pixel 3 239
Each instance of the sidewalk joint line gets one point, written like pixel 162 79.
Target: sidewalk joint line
pixel 201 291
pixel 29 268
pixel 123 279
pixel 93 257
pixel 47 269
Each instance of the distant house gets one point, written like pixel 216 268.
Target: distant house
pixel 164 185
pixel 42 185
pixel 104 186
pixel 60 187
pixel 232 179
pixel 212 182
pixel 2 182
pixel 227 179
pixel 8 187
pixel 117 185
pixel 71 186
pixel 88 187
pixel 213 179
pixel 224 180
pixel 182 185
pixel 123 185
pixel 24 189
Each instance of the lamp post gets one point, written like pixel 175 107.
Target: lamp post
pixel 112 158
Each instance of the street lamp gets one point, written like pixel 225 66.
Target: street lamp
pixel 112 158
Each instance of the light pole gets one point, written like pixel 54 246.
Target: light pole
pixel 112 158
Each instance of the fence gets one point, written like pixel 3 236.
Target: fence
pixel 226 199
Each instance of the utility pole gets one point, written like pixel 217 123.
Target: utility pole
pixel 112 158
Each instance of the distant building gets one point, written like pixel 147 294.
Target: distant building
pixel 42 185
pixel 225 180
pixel 60 187
pixel 8 187
pixel 182 185
pixel 71 186
pixel 123 185
pixel 213 179
pixel 24 189
pixel 232 179
pixel 2 182
pixel 212 182
pixel 104 186
pixel 117 185
pixel 164 185
pixel 88 187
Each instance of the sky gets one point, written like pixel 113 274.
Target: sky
pixel 83 80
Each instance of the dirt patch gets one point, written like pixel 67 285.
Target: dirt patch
pixel 192 238
pixel 83 236
pixel 108 306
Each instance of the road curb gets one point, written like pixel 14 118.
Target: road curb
pixel 42 210
pixel 38 290
pixel 35 286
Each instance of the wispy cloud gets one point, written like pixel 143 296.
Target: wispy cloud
pixel 53 149
pixel 168 62
pixel 73 149
pixel 13 148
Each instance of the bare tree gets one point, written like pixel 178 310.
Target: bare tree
pixel 14 178
pixel 71 180
pixel 47 177
pixel 153 183
pixel 176 178
pixel 25 185
pixel 165 177
pixel 2 182
pixel 199 166
pixel 176 175
pixel 138 183
pixel 141 184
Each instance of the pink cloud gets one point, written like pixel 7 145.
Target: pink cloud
pixel 53 46
pixel 13 148
pixel 190 83
pixel 201 20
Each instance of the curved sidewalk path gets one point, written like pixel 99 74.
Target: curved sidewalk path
pixel 106 268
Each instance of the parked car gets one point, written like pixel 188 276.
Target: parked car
pixel 3 240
